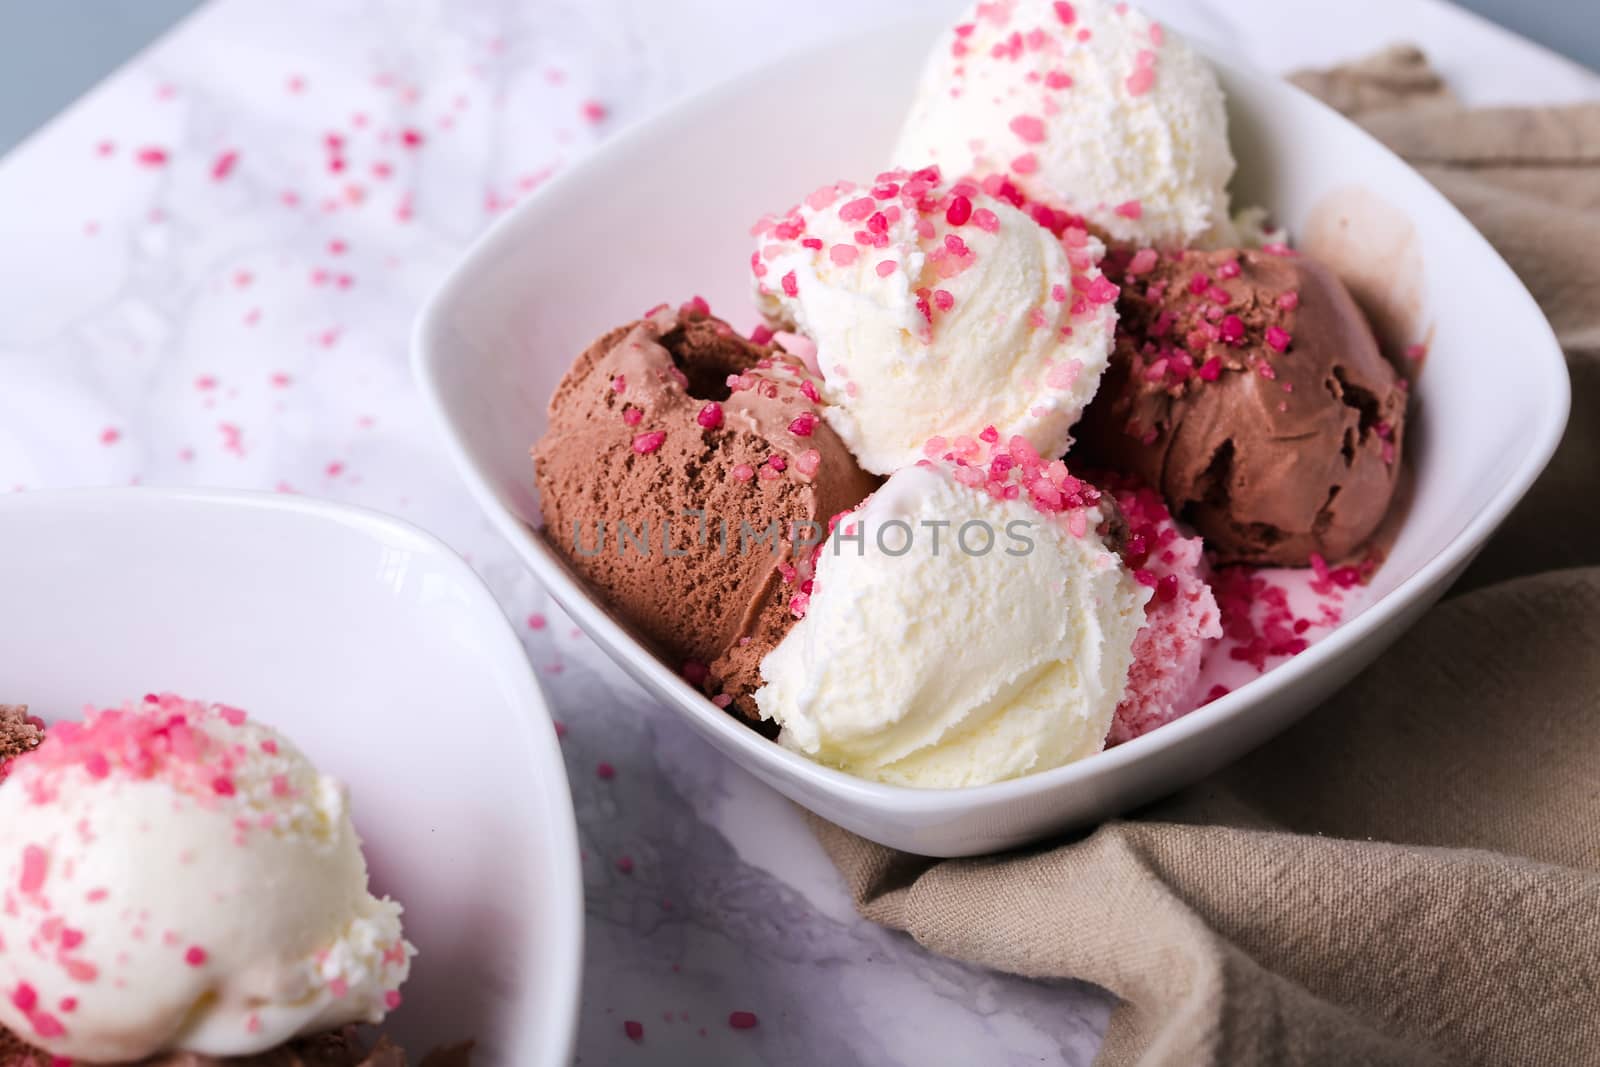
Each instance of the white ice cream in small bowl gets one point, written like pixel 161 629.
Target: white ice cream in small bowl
pixel 179 877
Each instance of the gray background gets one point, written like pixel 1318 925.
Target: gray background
pixel 51 51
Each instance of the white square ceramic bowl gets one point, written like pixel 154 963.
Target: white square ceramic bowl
pixel 662 211
pixel 386 660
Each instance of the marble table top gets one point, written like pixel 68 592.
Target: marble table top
pixel 210 266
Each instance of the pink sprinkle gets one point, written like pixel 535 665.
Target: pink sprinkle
pixel 110 435
pixel 46 1025
pixel 1211 370
pixel 804 424
pixel 68 1005
pixel 604 771
pixel 71 939
pixel 791 284
pixel 391 999
pixel 222 785
pixel 1416 352
pixel 151 157
pixel 619 384
pixel 943 300
pixel 95 896
pixel 223 166
pixel 743 1020
pixel 646 443
pixel 808 462
pixel 761 335
pixel 1028 127
pixel 35 867
pixel 339 987
pixel 1065 13
pixel 858 210
pixel 843 255
pixel 886 267
pixel 625 864
pixel 1064 375
pixel 80 970
pixel 280 785
pixel 195 956
pixel 1289 301
pixel 742 472
pixel 411 138
pixel 25 997
pixel 269 746
pixel 1141 81
pixel 97 766
pixel 632 416
pixel 1027 163
pixel 1232 327
pixel 1129 209
pixel 959 211
pixel 710 416
pixel 634 1030
pixel 986 220
pixel 1277 338
pixel 1142 261
pixel 230 715
pixel 337 247
pixel 594 112
pixel 1102 291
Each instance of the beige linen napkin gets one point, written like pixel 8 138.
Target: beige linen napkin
pixel 1412 874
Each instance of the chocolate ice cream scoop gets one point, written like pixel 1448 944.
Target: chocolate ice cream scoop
pixel 1248 388
pixel 19 732
pixel 686 475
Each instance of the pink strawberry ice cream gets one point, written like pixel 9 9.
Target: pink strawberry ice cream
pixel 1181 618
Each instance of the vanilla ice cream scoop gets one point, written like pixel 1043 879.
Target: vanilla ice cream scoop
pixel 968 623
pixel 937 309
pixel 1089 106
pixel 179 878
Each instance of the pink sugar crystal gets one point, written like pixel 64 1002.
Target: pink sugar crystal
pixel 1029 128
pixel 646 443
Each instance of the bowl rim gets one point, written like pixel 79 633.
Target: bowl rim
pixel 428 358
pixel 562 895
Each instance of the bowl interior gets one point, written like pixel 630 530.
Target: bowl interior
pixel 380 654
pixel 648 217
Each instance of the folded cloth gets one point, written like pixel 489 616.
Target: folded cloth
pixel 1411 875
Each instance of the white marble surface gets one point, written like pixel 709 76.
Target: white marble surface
pixel 162 325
